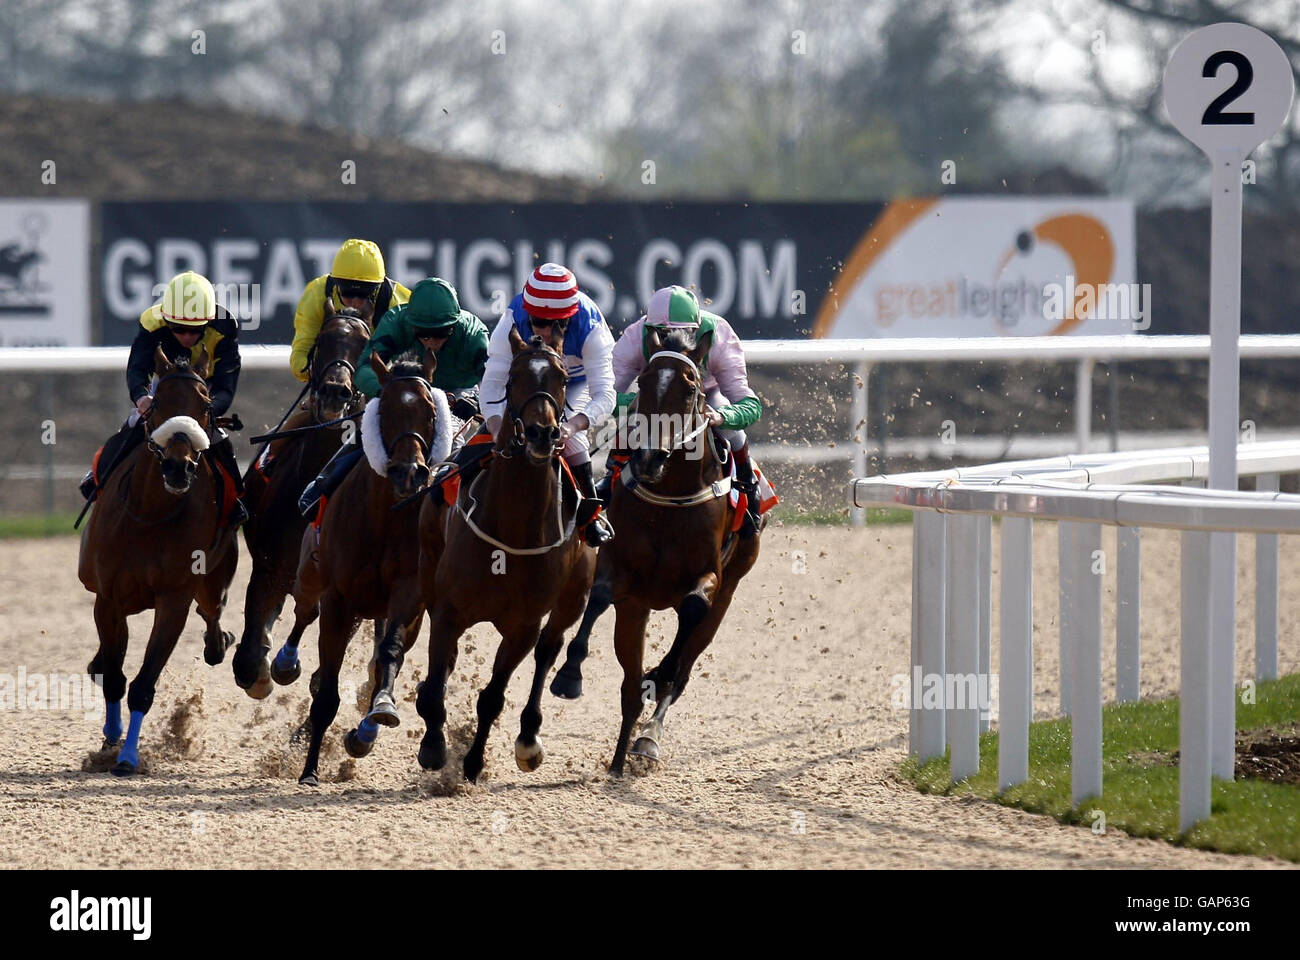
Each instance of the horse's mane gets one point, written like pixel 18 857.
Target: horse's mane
pixel 349 313
pixel 407 364
pixel 679 341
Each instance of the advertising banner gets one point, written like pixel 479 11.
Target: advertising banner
pixel 959 267
pixel 44 273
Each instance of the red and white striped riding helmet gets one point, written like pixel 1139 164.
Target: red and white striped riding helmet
pixel 551 292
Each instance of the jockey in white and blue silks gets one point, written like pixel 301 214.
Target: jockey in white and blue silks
pixel 551 305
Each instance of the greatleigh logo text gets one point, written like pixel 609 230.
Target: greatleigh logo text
pixel 102 913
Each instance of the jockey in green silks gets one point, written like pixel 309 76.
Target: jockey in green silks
pixel 431 320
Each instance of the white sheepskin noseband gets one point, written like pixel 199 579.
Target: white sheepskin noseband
pixel 186 426
pixel 372 440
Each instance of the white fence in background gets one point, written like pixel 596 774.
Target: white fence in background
pixel 859 355
pixel 952 593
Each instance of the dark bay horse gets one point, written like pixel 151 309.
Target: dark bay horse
pixel 274 531
pixel 675 546
pixel 507 554
pixel 366 561
pixel 156 540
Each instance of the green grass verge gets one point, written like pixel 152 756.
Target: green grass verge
pixel 1140 778
pixel 15 526
pixel 839 518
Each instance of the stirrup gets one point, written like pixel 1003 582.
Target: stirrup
pixel 308 499
pixel 238 514
pixel 598 532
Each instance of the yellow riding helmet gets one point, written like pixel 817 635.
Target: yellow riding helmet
pixel 188 300
pixel 358 260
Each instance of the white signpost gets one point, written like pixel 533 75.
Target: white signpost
pixel 1228 88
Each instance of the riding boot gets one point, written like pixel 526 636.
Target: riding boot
pixel 330 476
pixel 223 453
pixel 615 463
pixel 591 520
pixel 746 484
pixel 470 458
pixel 113 452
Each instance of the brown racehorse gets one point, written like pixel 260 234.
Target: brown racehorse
pixel 674 546
pixel 366 561
pixel 275 529
pixel 156 540
pixel 508 554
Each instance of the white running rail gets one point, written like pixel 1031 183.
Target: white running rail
pixel 952 594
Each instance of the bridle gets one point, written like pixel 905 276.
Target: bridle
pixel 418 437
pixel 697 403
pixel 713 491
pixel 186 374
pixel 314 381
pixel 517 442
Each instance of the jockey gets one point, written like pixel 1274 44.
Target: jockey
pixel 552 306
pixel 356 280
pixel 187 321
pixel 733 406
pixel 431 320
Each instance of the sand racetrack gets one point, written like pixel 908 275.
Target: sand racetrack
pixel 788 720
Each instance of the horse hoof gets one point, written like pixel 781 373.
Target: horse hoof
pixel 355 746
pixel 285 676
pixel 433 756
pixel 261 689
pixel 529 758
pixel 645 747
pixel 309 780
pixel 473 766
pixel 123 768
pixel 384 713
pixel 111 744
pixel 567 686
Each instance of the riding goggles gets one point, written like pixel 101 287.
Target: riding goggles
pixel 354 290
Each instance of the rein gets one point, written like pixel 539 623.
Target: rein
pixel 713 491
pixel 566 532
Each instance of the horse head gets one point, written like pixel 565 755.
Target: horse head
pixel 535 393
pixel 179 419
pixel 343 335
pixel 670 398
pixel 406 419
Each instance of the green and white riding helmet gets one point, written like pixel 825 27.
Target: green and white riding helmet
pixel 676 308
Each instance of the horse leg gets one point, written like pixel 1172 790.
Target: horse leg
pixel 567 684
pixel 529 752
pixel 445 628
pixel 307 590
pixel 336 628
pixel 691 612
pixel 514 647
pixel 107 665
pixel 285 668
pixel 212 594
pixel 696 642
pixel 170 613
pixel 263 602
pixel 385 664
pixel 629 639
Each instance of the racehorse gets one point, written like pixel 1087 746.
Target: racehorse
pixel 366 561
pixel 156 539
pixel 272 484
pixel 677 544
pixel 506 553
